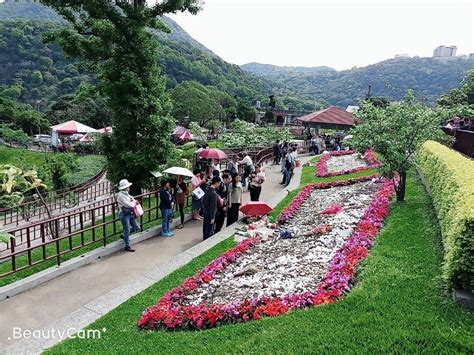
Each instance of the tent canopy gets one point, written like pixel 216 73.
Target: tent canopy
pixel 71 127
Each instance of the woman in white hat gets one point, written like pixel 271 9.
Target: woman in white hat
pixel 126 203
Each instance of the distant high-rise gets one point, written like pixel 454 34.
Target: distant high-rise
pixel 445 52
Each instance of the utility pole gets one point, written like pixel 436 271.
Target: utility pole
pixel 368 92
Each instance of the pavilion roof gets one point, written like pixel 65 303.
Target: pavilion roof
pixel 332 115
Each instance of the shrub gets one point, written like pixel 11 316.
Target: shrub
pixel 450 177
pixel 12 136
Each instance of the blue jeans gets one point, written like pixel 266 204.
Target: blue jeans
pixel 287 177
pixel 165 222
pixel 127 222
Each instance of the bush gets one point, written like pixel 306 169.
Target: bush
pixel 87 167
pixel 450 177
pixel 11 136
pixel 57 170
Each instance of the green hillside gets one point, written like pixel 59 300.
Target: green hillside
pixel 429 77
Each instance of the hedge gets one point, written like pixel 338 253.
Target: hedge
pixel 450 176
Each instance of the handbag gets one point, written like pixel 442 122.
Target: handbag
pixel 138 210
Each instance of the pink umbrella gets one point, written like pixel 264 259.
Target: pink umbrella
pixel 212 153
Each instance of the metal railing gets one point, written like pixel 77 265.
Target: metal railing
pixel 53 238
pixel 464 141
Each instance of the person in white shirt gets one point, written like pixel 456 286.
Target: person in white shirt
pixel 248 169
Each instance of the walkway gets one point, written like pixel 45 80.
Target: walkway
pixel 53 300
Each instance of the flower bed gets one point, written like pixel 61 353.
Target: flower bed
pixel 348 165
pixel 182 308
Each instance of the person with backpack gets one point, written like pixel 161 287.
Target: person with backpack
pixel 126 204
pixel 166 208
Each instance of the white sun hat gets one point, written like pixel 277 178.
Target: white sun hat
pixel 123 184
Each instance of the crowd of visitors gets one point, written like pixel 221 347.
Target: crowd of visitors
pixel 458 123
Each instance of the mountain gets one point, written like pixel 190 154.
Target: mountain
pixel 39 74
pixel 273 70
pixel 428 77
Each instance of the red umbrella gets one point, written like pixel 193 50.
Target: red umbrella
pixel 255 208
pixel 212 153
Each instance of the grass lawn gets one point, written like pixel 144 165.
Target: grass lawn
pixel 398 305
pixel 87 166
pixel 21 157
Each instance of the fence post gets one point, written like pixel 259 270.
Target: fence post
pixel 12 250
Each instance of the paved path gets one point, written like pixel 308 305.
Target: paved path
pixel 53 300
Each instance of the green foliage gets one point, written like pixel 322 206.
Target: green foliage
pixel 85 168
pixel 85 106
pixel 11 136
pixel 245 134
pixel 462 96
pixel 57 170
pixel 21 116
pixel 450 177
pixel 198 135
pixel 198 103
pixel 15 183
pixel 395 133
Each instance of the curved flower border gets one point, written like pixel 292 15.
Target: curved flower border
pixel 170 314
pixel 322 169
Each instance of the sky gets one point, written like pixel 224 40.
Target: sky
pixel 338 33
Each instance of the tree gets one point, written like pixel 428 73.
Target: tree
pixel 396 132
pixel 464 95
pixel 114 38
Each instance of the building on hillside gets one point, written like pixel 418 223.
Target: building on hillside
pixel 332 117
pixel 402 56
pixel 445 52
pixel 471 56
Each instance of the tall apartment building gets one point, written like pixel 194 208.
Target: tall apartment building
pixel 445 52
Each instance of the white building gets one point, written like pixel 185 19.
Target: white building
pixel 445 52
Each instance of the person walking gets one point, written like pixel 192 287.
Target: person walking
pixel 235 200
pixel 209 207
pixel 223 193
pixel 166 208
pixel 126 204
pixel 256 179
pixel 181 193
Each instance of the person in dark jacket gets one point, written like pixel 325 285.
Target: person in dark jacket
pixel 209 207
pixel 166 207
pixel 222 192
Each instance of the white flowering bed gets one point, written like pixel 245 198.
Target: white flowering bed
pixel 345 162
pixel 276 266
